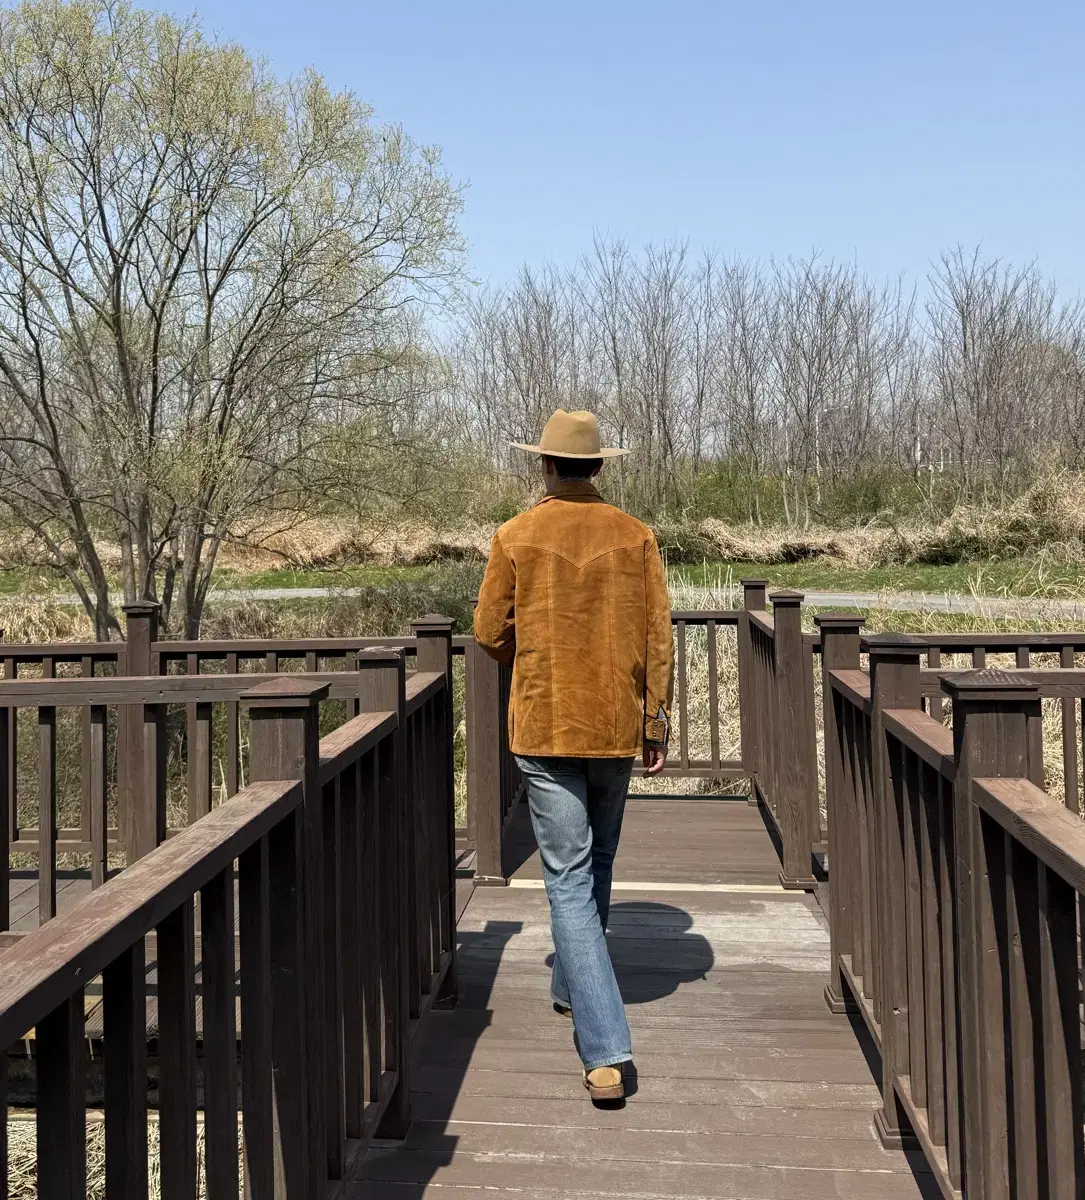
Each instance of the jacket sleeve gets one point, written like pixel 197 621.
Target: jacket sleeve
pixel 659 663
pixel 495 613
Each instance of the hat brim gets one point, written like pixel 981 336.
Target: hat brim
pixel 602 452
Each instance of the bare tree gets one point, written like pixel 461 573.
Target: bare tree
pixel 200 268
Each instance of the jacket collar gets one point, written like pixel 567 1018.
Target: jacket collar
pixel 572 489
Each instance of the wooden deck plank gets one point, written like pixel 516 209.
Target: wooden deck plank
pixel 698 841
pixel 747 1086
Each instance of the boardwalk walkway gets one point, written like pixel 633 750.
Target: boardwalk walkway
pixel 748 1086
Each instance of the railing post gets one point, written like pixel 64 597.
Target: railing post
pixel 383 689
pixel 434 653
pixel 284 744
pixel 484 766
pixel 839 652
pixel 141 742
pixel 992 716
pixel 798 816
pixel 754 592
pixel 894 683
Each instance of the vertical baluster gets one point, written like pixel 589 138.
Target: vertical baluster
pixel 979 657
pixel 867 831
pixel 11 717
pixel 233 735
pixel 333 981
pixel 61 1107
pixel 713 695
pixel 7 803
pixel 374 946
pixel 1025 1021
pixel 1059 988
pixel 124 1005
pixel 749 676
pixel 936 705
pixel 395 907
pixel 97 791
pixel 1069 736
pixel 47 804
pixel 296 1042
pixel 311 664
pixel 683 709
pixel 200 760
pixel 217 968
pixel 934 1033
pixel 914 919
pixel 192 669
pixel 351 952
pixel 947 870
pixel 257 1047
pixel 147 800
pixel 177 1053
pixel 86 671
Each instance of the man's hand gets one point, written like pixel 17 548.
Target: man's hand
pixel 654 759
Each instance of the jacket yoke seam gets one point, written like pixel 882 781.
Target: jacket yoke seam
pixel 576 562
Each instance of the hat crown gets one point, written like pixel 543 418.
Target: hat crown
pixel 570 433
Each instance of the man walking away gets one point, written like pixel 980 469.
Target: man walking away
pixel 574 599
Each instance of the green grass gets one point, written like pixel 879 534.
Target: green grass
pixel 362 576
pixel 1015 577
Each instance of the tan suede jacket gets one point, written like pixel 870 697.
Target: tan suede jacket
pixel 575 599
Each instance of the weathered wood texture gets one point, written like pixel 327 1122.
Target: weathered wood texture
pixel 747 1086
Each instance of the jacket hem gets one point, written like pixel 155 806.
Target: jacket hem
pixel 550 752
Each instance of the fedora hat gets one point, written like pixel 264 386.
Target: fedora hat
pixel 571 435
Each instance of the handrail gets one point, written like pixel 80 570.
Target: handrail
pixel 853 684
pixel 764 622
pixel 423 686
pixel 163 689
pixel 1043 826
pixel 58 958
pixel 343 747
pixel 925 737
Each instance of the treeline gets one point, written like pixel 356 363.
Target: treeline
pixel 782 390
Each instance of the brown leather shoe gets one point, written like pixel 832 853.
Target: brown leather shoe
pixel 605 1083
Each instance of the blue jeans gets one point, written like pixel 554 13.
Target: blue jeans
pixel 577 806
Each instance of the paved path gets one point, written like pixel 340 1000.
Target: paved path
pixel 1037 607
pixel 747 1086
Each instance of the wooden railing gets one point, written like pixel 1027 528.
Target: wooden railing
pixel 954 896
pixel 778 731
pixel 344 881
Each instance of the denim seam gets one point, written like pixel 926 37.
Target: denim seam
pixel 613 1061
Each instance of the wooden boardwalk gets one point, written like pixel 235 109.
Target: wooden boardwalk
pixel 747 1086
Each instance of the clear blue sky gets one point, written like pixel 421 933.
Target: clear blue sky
pixel 880 132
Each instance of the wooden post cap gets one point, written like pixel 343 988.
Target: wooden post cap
pixel 839 620
pixel 433 621
pixel 381 654
pixel 883 644
pixel 285 692
pixel 754 583
pixel 787 598
pixel 988 684
pixel 141 608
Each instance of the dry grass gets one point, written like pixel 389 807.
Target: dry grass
pixel 1026 619
pixel 22 1156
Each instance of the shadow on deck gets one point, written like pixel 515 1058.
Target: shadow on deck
pixel 748 1086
